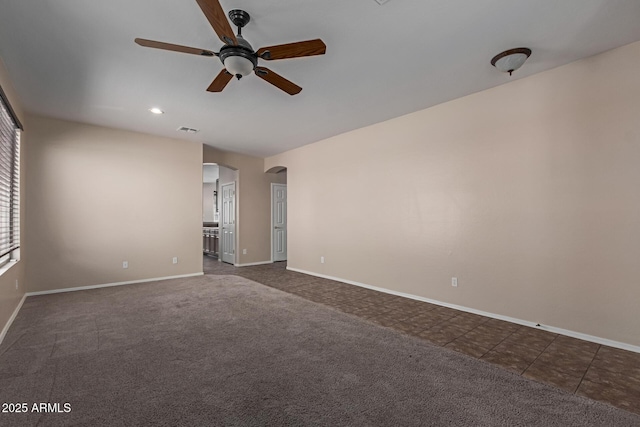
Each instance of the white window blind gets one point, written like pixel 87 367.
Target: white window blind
pixel 9 180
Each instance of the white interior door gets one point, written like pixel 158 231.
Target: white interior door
pixel 228 231
pixel 279 221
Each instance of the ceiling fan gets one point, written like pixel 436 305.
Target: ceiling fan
pixel 237 55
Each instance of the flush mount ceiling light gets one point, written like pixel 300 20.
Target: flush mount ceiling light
pixel 156 110
pixel 510 60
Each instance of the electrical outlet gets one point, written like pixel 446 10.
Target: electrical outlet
pixel 125 264
pixel 454 282
pixel 244 252
pixel 321 260
pixel 175 259
pixel 16 284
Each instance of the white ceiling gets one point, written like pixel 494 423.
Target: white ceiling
pixel 76 60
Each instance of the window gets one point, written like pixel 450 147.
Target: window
pixel 9 181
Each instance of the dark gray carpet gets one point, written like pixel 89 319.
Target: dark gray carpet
pixel 222 350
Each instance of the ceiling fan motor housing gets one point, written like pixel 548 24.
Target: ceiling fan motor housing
pixel 239 60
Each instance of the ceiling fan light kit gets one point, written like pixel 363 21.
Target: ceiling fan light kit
pixel 239 66
pixel 237 55
pixel 510 60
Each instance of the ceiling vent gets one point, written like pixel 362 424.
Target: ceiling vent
pixel 381 2
pixel 187 130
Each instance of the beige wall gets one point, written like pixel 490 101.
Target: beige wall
pixel 227 176
pixel 98 196
pixel 253 195
pixel 527 192
pixel 10 296
pixel 208 201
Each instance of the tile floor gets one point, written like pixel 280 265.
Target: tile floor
pixel 587 369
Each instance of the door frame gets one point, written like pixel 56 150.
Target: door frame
pixel 273 184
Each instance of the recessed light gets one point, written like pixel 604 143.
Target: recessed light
pixel 156 110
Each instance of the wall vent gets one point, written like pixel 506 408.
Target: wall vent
pixel 187 130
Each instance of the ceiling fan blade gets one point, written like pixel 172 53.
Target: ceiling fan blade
pixel 220 82
pixel 277 80
pixel 174 47
pixel 218 20
pixel 293 50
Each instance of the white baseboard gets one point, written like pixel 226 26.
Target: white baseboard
pixel 107 285
pixel 553 329
pixel 253 263
pixel 12 318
